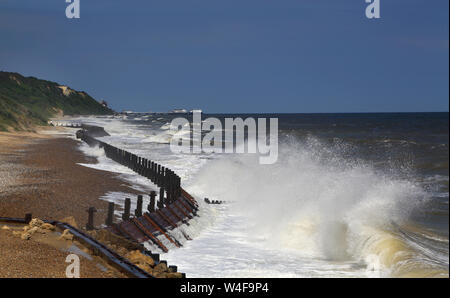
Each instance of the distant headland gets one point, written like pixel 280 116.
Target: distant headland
pixel 28 101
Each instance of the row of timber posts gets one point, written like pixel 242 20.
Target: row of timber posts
pixel 168 182
pixel 126 215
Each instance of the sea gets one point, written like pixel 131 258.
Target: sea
pixel 350 195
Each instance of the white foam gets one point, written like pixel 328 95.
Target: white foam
pixel 307 215
pixel 308 212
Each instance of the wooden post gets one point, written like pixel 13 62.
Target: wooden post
pixel 145 168
pixel 177 187
pixel 151 175
pixel 171 187
pixel 90 223
pixel 158 175
pixel 168 186
pixel 151 206
pixel 138 211
pixel 150 169
pixel 163 177
pixel 110 216
pixel 155 257
pixel 28 218
pixel 141 161
pixel 161 198
pixel 127 207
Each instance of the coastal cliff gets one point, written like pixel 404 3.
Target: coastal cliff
pixel 28 101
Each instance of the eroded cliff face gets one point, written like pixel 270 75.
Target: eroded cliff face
pixel 28 101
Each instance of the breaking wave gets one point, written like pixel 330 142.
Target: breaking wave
pixel 327 207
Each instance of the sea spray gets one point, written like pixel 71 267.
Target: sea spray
pixel 311 194
pixel 287 220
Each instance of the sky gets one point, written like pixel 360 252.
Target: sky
pixel 236 56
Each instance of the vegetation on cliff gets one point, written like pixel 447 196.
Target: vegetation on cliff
pixel 28 101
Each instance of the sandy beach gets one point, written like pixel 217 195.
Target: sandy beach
pixel 39 174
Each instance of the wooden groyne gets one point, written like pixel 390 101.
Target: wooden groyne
pixel 171 207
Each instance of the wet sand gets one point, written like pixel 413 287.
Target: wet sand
pixel 39 174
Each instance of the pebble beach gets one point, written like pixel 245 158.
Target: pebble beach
pixel 39 174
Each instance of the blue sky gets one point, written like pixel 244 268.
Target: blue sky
pixel 236 55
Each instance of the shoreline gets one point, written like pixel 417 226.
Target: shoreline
pixel 45 179
pixel 40 174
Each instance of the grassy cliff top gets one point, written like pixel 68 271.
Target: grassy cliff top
pixel 28 101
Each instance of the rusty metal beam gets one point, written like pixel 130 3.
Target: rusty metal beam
pixel 160 229
pixel 150 235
